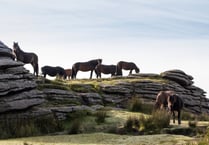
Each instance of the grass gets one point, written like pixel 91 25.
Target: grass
pixel 92 133
pixel 76 84
pixel 100 139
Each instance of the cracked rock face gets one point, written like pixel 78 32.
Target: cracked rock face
pixel 17 87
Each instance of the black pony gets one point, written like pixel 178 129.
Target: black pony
pixel 126 66
pixel 175 103
pixel 85 66
pixel 53 71
pixel 26 57
pixel 105 69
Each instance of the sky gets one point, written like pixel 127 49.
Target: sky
pixel 157 35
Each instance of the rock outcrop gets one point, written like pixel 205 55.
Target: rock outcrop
pixel 18 88
pixel 20 91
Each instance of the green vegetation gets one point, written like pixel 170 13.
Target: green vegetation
pixel 22 127
pixel 137 105
pixel 157 121
pixel 93 84
pixel 205 139
pixel 100 116
pixel 190 116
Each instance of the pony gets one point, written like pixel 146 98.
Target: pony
pixel 85 66
pixel 105 69
pixel 26 57
pixel 126 66
pixel 53 71
pixel 161 99
pixel 68 73
pixel 175 103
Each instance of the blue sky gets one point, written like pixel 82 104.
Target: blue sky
pixel 157 35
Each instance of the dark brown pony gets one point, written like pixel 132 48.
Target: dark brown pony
pixel 53 71
pixel 126 66
pixel 161 99
pixel 68 73
pixel 105 69
pixel 26 57
pixel 85 66
pixel 175 103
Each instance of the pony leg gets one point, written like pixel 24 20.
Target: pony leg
pixel 161 106
pixel 91 74
pixel 130 71
pixel 179 117
pixel 173 117
pixel 35 69
pixel 75 74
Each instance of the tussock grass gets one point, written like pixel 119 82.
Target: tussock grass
pixel 135 104
pixel 23 127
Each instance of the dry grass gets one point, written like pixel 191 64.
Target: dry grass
pixel 100 139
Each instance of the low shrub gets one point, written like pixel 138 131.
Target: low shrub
pixel 154 123
pixel 100 116
pixel 157 121
pixel 203 117
pixel 75 127
pixel 137 105
pixel 188 116
pixel 16 126
pixel 132 124
pixel 75 120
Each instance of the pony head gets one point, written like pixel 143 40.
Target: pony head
pixel 137 70
pixel 15 46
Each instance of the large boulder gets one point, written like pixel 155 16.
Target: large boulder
pixel 178 76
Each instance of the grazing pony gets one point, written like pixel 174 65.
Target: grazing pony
pixel 26 57
pixel 126 66
pixel 161 99
pixel 175 103
pixel 68 73
pixel 105 69
pixel 53 71
pixel 85 66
